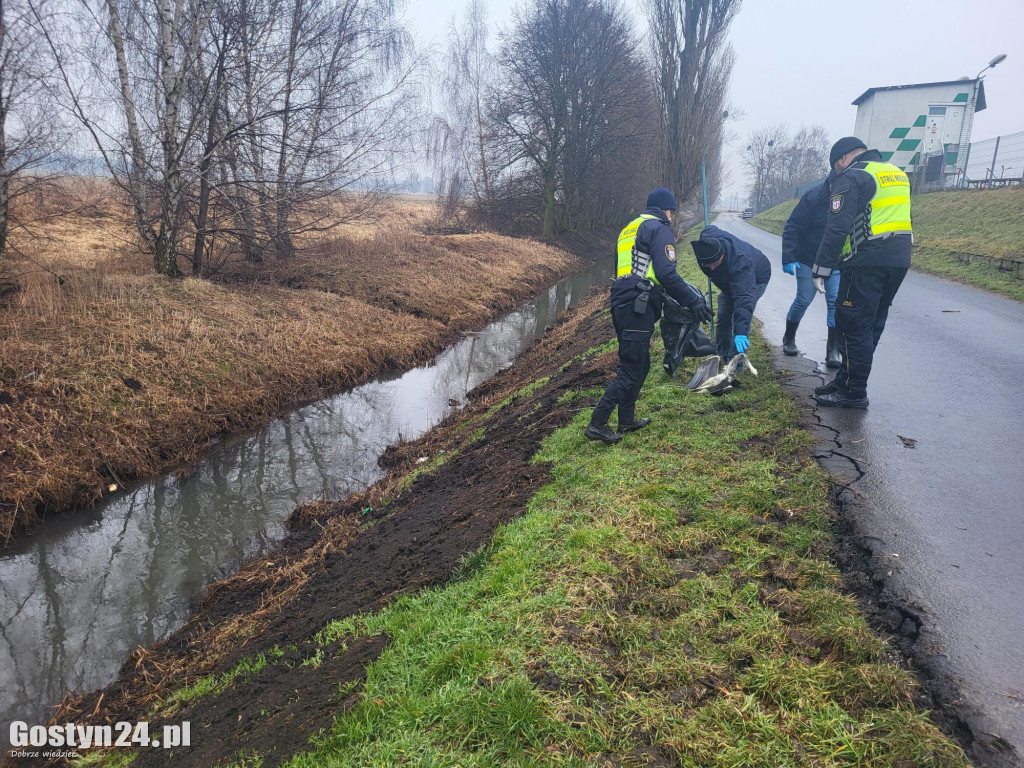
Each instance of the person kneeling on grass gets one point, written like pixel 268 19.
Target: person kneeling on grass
pixel 646 263
pixel 741 273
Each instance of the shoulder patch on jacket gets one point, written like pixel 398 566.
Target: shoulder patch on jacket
pixel 836 203
pixel 670 252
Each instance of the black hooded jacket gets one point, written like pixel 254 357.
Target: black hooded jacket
pixel 741 271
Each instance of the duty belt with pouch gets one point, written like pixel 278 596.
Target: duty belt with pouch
pixel 641 262
pixel 861 233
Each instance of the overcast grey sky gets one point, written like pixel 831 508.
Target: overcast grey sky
pixel 804 61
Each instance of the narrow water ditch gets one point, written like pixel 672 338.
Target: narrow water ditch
pixel 89 587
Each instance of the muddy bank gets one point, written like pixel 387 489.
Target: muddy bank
pixel 111 378
pixel 351 557
pixel 867 567
pixel 416 529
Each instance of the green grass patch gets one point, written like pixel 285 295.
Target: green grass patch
pixel 774 219
pixel 954 266
pixel 950 230
pixel 987 221
pixel 667 596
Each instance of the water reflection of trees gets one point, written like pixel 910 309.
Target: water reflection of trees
pixel 75 604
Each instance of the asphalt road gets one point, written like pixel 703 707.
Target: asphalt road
pixel 949 512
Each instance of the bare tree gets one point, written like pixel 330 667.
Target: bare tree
pixel 777 162
pixel 236 118
pixel 30 129
pixel 461 137
pixel 130 97
pixel 694 63
pixel 762 158
pixel 335 82
pixel 571 100
pixel 806 156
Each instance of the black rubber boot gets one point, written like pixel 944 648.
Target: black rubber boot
pixel 832 357
pixel 789 339
pixel 603 433
pixel 827 389
pixel 634 425
pixel 840 399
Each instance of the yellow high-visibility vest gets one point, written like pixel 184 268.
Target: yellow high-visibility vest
pixel 888 211
pixel 628 257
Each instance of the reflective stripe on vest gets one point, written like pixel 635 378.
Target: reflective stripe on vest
pixel 888 211
pixel 890 207
pixel 629 260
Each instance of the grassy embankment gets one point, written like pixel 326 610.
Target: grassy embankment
pixel 112 373
pixel 668 601
pixel 951 230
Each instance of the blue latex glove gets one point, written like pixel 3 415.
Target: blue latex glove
pixel 789 269
pixel 742 343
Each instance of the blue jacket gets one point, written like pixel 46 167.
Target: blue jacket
pixel 742 270
pixel 656 237
pixel 805 226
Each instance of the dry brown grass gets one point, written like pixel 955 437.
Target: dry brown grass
pixel 475 270
pixel 115 374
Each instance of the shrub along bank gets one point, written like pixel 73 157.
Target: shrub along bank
pixel 973 237
pixel 667 601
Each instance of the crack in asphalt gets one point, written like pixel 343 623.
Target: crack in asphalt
pixel 867 571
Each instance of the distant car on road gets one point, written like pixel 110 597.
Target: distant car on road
pixel 748 213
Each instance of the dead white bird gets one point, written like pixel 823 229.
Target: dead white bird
pixel 709 379
pixel 705 371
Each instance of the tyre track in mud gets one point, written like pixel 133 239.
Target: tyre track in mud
pixel 335 565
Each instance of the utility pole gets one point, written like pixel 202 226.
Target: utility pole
pixel 711 295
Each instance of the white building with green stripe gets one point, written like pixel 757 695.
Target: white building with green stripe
pixel 923 124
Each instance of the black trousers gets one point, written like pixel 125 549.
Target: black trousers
pixel 634 333
pixel 865 295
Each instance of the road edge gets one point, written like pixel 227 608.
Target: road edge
pixel 898 617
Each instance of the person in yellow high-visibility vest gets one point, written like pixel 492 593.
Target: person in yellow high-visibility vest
pixel 868 238
pixel 645 267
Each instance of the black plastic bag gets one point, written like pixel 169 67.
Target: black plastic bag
pixel 683 337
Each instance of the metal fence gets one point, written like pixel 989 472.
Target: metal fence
pixel 997 162
pixel 992 163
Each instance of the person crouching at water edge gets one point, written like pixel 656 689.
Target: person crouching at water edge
pixel 646 266
pixel 741 273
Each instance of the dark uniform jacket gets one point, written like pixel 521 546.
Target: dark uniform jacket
pixel 805 226
pixel 742 270
pixel 856 188
pixel 656 237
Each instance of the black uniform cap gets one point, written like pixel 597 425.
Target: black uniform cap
pixel 844 145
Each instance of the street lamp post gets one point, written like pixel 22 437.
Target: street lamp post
pixel 996 60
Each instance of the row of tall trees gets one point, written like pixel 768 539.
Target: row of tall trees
pixel 576 116
pixel 233 123
pixel 777 160
pixel 231 126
